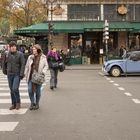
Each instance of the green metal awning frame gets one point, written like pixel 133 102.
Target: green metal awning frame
pixel 76 27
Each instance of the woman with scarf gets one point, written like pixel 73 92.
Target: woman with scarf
pixel 53 62
pixel 35 62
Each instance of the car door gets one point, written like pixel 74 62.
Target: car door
pixel 133 63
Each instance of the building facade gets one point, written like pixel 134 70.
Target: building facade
pixel 78 27
pixel 89 42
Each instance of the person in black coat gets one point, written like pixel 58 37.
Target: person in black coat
pixel 13 67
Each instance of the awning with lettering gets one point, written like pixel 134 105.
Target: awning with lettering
pixel 73 27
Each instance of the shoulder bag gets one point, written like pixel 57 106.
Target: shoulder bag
pixel 38 78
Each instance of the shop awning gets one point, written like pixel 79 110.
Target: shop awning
pixel 72 27
pixel 136 27
pixel 120 26
pixel 42 28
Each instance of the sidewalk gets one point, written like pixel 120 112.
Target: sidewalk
pixel 84 67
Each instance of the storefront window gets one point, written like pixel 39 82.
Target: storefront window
pixel 137 11
pixel 111 12
pixel 112 45
pixel 76 45
pixel 134 42
pixel 83 12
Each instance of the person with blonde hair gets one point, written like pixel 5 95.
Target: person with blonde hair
pixel 35 62
pixel 53 60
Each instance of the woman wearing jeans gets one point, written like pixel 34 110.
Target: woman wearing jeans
pixel 36 61
pixel 53 58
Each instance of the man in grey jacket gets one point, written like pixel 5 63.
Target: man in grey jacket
pixel 15 65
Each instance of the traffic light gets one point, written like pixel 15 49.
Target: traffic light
pixel 51 27
pixel 106 31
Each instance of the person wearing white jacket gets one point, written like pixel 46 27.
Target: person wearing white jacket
pixel 36 61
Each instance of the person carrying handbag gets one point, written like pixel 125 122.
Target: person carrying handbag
pixel 36 62
pixel 53 62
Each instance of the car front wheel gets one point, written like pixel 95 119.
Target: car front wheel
pixel 115 71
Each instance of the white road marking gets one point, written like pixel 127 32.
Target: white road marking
pixel 9 112
pixel 8 94
pixel 136 101
pixel 111 81
pixel 8 126
pixel 6 84
pixel 7 89
pixel 128 94
pixel 108 78
pixel 6 80
pixel 115 84
pixel 100 73
pixel 121 88
pixel 3 101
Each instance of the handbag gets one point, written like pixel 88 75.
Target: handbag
pixel 38 78
pixel 55 65
pixel 61 66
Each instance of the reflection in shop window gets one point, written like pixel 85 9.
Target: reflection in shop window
pixel 134 42
pixel 76 46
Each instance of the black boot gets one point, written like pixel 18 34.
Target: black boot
pixel 12 107
pixel 36 107
pixel 18 106
pixel 31 107
pixel 51 87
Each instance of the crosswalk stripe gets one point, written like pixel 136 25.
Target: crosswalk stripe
pixel 6 99
pixel 6 84
pixel 8 126
pixel 7 89
pixel 9 112
pixel 3 101
pixel 136 101
pixel 8 94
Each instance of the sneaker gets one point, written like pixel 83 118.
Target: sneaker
pixel 12 107
pixel 18 106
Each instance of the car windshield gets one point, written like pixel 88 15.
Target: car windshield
pixel 126 56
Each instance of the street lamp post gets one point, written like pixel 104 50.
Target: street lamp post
pixel 106 37
pixel 50 23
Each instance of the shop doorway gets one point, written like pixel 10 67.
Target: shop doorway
pixel 93 43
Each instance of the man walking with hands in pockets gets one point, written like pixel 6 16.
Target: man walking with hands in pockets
pixel 14 63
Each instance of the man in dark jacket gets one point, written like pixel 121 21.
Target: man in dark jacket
pixel 15 64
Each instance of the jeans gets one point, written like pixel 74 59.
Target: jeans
pixel 34 97
pixel 14 82
pixel 53 80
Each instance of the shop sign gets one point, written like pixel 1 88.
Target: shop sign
pixel 119 29
pixel 122 10
pixel 91 30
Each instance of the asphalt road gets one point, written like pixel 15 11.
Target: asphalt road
pixel 85 106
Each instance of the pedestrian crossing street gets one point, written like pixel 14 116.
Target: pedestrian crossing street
pixel 5 102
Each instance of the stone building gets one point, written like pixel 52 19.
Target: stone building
pixel 78 26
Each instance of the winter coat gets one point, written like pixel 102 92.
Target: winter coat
pixel 15 63
pixel 43 66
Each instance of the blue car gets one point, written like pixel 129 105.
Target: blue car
pixel 129 64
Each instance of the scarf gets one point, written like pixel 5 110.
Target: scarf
pixel 54 54
pixel 35 66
